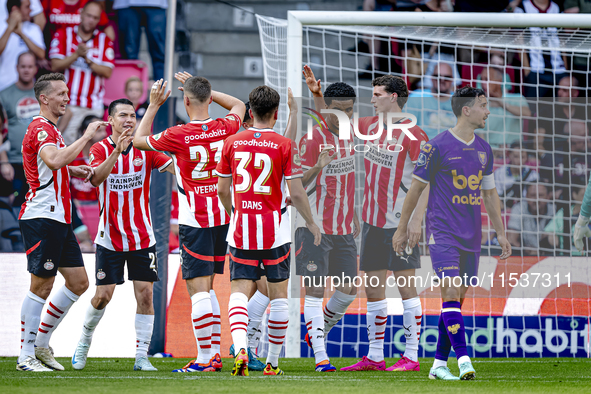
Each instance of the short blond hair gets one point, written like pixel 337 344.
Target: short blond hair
pixel 133 79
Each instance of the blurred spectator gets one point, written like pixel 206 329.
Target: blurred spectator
pixel 486 6
pixel 17 35
pixel 36 14
pixel 562 224
pixel 66 13
pixel 528 220
pixel 497 59
pixel 571 166
pixel 433 109
pixel 434 56
pixel 132 15
pixel 542 69
pixel 134 89
pixel 577 6
pixel 504 124
pixel 510 179
pixel 85 56
pixel 21 105
pixel 424 5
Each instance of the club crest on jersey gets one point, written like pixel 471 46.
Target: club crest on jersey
pixel 101 275
pixel 204 127
pixel 138 161
pixel 422 159
pixel 41 135
pixel 296 159
pixel 257 135
pixel 482 157
pixel 312 267
pixel 48 265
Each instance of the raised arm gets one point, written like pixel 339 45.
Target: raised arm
pixel 230 103
pixel 158 96
pixel 315 88
pixel 291 130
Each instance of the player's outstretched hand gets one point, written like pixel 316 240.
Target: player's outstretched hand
pixel 506 247
pixel 582 231
pixel 84 171
pixel 124 140
pixel 93 127
pixel 182 78
pixel 315 230
pixel 399 241
pixel 313 84
pixel 291 102
pixel 158 93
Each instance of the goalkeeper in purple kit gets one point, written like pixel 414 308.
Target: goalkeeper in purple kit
pixel 457 164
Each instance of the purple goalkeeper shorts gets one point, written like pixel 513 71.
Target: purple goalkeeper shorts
pixel 453 261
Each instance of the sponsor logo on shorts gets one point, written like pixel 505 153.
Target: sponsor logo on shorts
pixel 138 162
pixel 48 265
pixel 312 267
pixel 101 275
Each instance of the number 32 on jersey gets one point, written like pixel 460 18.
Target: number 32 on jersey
pixel 261 161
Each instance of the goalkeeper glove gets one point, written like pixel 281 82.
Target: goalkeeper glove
pixel 581 231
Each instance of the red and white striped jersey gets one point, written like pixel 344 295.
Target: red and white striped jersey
pixel 124 197
pixel 259 161
pixel 196 148
pixel 49 191
pixel 86 88
pixel 82 191
pixel 332 194
pixel 388 171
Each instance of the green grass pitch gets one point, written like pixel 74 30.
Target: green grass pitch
pixel 117 376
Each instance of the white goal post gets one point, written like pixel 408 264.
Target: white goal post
pixel 284 44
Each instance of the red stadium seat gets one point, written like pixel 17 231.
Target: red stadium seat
pixel 124 69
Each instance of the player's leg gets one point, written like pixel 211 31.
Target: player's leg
pixel 374 260
pixel 312 264
pixel 142 266
pixel 109 267
pixel 276 262
pixel 244 270
pixel 71 266
pixel 257 305
pixel 198 265
pixel 220 253
pixel 343 263
pixel 411 316
pixel 446 264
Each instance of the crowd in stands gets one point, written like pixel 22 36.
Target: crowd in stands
pixel 538 126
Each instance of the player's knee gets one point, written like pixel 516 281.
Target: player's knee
pixel 79 287
pixel 315 291
pixel 102 299
pixel 144 296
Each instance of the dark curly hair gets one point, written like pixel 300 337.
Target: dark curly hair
pixel 339 90
pixel 465 97
pixel 393 84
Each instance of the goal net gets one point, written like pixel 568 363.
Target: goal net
pixel 536 303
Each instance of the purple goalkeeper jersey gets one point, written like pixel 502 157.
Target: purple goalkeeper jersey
pixel 454 170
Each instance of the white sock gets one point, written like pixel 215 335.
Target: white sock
pixel 377 315
pixel 202 316
pixel 30 317
pixel 216 328
pixel 57 308
pixel 335 309
pixel 410 317
pixel 238 316
pixel 92 319
pixel 278 320
pixel 144 325
pixel 463 359
pixel 315 324
pixel 257 305
pixel 439 363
